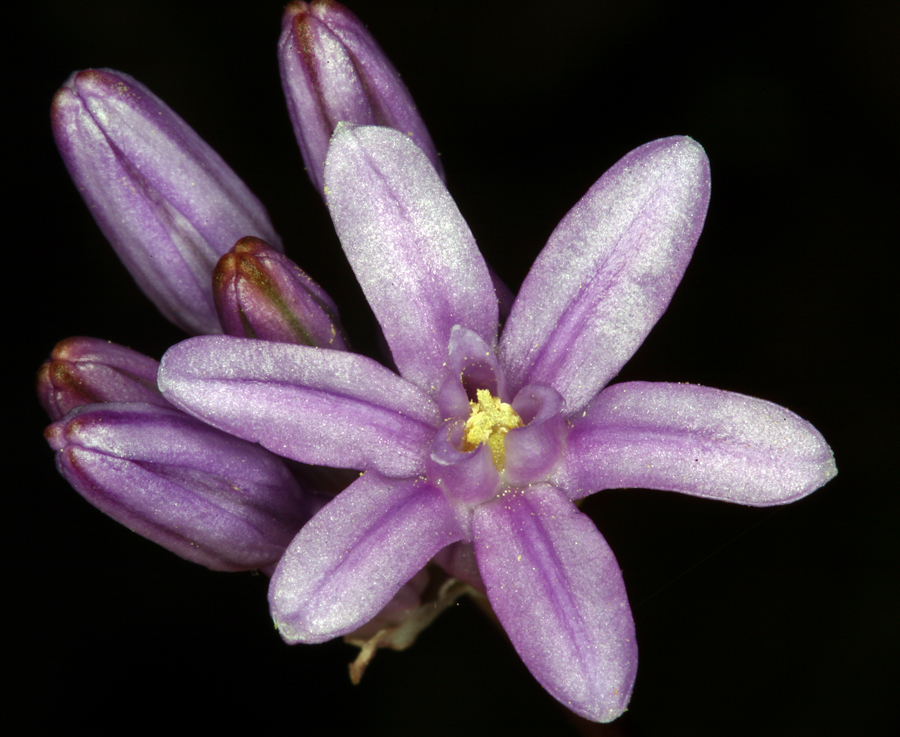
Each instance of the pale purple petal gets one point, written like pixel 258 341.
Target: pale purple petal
pixel 347 563
pixel 696 440
pixel 534 450
pixel 398 610
pixel 505 296
pixel 470 365
pixel 557 589
pixel 317 406
pixel 206 496
pixel 608 272
pixel 459 561
pixel 466 477
pixel 410 248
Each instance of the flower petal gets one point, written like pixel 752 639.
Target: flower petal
pixel 318 406
pixel 471 365
pixel 557 589
pixel 410 248
pixel 466 477
pixel 347 563
pixel 533 451
pixel 696 440
pixel 608 272
pixel 459 561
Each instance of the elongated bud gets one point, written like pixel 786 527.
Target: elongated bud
pixel 166 201
pixel 332 70
pixel 209 497
pixel 262 294
pixel 88 370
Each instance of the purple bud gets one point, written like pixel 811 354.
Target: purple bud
pixel 166 201
pixel 260 293
pixel 332 70
pixel 207 496
pixel 88 370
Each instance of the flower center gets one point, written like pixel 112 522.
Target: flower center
pixel 489 421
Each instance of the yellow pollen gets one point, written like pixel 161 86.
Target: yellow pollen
pixel 489 422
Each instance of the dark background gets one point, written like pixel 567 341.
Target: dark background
pixel 750 621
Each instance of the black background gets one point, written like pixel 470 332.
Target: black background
pixel 750 621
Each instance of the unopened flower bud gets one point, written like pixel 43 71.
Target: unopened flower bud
pixel 262 294
pixel 332 70
pixel 88 370
pixel 203 494
pixel 169 205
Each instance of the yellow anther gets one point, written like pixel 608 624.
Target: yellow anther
pixel 489 421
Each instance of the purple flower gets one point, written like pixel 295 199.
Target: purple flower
pixel 484 445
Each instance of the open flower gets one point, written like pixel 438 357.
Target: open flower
pixel 487 444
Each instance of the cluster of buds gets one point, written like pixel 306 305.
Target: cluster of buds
pixel 202 247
